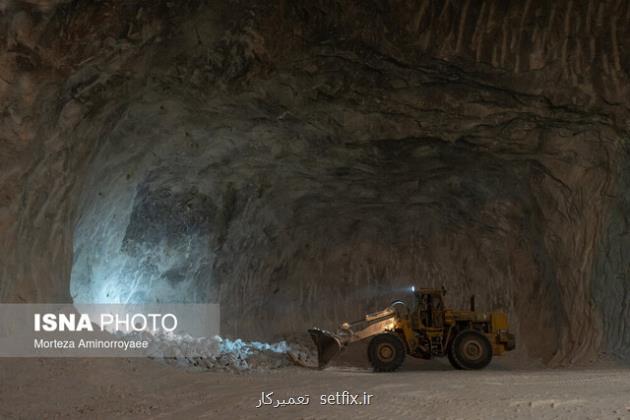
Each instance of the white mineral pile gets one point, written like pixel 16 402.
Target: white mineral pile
pixel 222 353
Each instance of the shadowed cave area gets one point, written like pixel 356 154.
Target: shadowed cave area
pixel 303 163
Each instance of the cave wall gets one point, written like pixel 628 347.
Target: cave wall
pixel 299 163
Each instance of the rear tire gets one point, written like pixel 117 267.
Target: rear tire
pixel 469 350
pixel 386 352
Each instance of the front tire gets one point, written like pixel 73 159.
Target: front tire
pixel 470 350
pixel 386 352
pixel 452 361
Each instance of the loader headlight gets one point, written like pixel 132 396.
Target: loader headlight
pixel 413 289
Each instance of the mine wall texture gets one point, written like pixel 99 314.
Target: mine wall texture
pixel 304 162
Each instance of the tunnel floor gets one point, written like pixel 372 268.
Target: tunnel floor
pixel 138 388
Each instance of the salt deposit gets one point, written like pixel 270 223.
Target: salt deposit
pixel 222 353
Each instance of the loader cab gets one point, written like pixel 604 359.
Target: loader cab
pixel 429 308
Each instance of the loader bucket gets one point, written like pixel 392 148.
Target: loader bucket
pixel 327 346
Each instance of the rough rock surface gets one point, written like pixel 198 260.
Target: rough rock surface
pixel 301 163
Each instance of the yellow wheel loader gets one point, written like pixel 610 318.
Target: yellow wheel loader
pixel 468 338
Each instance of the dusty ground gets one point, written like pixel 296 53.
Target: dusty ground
pixel 117 388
